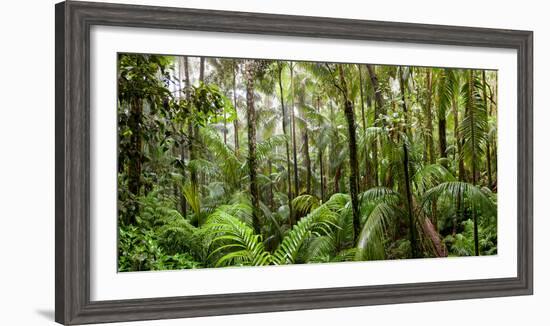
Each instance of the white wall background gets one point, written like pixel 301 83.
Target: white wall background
pixel 27 160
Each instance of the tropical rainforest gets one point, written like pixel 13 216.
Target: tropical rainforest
pixel 240 162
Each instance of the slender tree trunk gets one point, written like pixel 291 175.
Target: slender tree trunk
pixel 367 182
pixel 495 152
pixel 429 137
pixel 378 109
pixel 307 159
pixel 404 102
pixel 190 128
pixel 182 94
pixel 252 164
pixel 442 126
pixel 459 142
pixel 322 175
pixel 429 118
pixel 321 167
pixel 224 128
pixel 337 176
pixel 354 167
pixel 136 156
pixel 412 228
pixel 488 144
pixel 135 122
pixel 287 147
pixel 474 158
pixel 201 70
pixel 377 90
pixel 236 120
pixel 406 164
pixel 442 135
pixel 305 148
pixel 333 149
pixel 271 200
pixel 293 127
pixel 196 131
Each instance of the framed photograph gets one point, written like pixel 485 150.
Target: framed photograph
pixel 217 162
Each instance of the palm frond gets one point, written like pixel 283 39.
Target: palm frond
pixel 234 242
pixel 455 189
pixel 321 221
pixel 305 203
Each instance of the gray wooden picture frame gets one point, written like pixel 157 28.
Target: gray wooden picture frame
pixel 72 168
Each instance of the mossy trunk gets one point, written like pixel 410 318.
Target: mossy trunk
pixel 353 162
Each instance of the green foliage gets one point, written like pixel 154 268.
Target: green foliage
pixel 139 251
pixel 320 222
pixel 462 244
pixel 183 125
pixel 474 126
pixel 233 241
pixel 304 204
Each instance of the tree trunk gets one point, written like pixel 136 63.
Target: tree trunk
pixel 442 135
pixel 404 102
pixel 367 183
pixel 458 139
pixel 429 118
pixel 337 176
pixel 135 158
pixel 474 158
pixel 269 169
pixel 429 137
pixel 378 108
pixel 252 166
pixel 293 127
pixel 307 161
pixel 135 122
pixel 321 167
pixel 495 152
pixel 201 70
pixel 354 167
pixel 406 163
pixel 224 128
pixel 305 149
pixel 182 94
pixel 287 147
pixel 377 90
pixel 488 145
pixel 332 149
pixel 196 131
pixel 236 120
pixel 412 229
pixel 190 129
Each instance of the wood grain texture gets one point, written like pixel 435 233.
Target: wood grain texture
pixel 72 180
